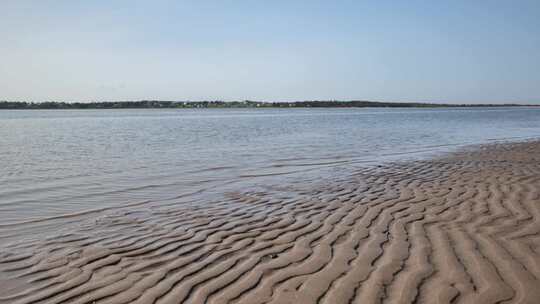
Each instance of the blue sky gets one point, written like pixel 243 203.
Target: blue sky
pixel 437 51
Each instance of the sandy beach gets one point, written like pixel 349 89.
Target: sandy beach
pixel 462 228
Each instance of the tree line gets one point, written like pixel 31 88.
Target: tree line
pixel 150 104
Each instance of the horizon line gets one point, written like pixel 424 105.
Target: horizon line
pixel 437 102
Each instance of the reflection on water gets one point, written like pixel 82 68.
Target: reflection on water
pixel 62 162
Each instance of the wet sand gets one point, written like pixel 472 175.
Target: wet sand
pixel 463 228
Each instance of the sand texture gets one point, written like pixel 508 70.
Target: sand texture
pixel 463 228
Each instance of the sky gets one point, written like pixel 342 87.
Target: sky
pixel 457 51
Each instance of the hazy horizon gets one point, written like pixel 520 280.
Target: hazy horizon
pixel 414 51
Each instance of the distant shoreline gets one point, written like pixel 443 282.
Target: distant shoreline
pixel 159 104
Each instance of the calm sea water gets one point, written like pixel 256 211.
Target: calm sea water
pixel 55 163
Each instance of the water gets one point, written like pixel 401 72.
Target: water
pixel 55 163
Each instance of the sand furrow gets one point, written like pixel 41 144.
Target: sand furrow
pixel 464 228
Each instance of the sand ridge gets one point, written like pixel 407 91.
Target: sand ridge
pixel 463 228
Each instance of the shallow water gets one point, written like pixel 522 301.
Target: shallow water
pixel 69 161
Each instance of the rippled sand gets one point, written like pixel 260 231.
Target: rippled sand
pixel 459 229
